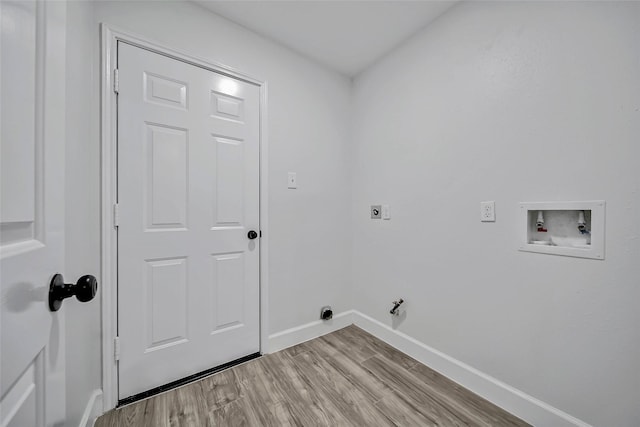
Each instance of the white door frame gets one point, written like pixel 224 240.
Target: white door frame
pixel 109 237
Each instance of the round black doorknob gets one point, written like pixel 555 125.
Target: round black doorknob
pixel 85 290
pixel 252 234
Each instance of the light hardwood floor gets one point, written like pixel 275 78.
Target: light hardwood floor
pixel 346 378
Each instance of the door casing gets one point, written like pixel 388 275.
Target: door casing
pixel 109 236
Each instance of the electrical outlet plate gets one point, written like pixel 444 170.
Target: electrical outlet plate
pixel 385 212
pixel 376 211
pixel 292 180
pixel 488 211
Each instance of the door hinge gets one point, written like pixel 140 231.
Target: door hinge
pixel 116 81
pixel 116 215
pixel 116 348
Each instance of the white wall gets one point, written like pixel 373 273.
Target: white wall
pixel 510 102
pixel 82 209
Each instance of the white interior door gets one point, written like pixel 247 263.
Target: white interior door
pixel 32 47
pixel 188 195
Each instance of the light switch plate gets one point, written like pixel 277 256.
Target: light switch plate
pixel 376 211
pixel 488 211
pixel 292 180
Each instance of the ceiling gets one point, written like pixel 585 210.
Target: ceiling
pixel 347 35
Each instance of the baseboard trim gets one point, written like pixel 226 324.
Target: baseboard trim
pixel 299 334
pixel 512 400
pixel 93 409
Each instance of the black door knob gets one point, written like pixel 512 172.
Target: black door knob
pixel 84 290
pixel 252 234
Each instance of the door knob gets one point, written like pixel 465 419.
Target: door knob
pixel 84 290
pixel 252 234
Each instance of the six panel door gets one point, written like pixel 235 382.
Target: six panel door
pixel 188 194
pixel 32 225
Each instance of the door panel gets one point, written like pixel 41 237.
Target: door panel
pixel 229 182
pixel 22 405
pixel 228 298
pixel 188 193
pixel 19 51
pixel 166 189
pixel 167 302
pixel 32 388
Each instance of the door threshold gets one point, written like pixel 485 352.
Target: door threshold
pixel 185 381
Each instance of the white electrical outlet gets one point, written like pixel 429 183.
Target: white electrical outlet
pixel 385 212
pixel 487 211
pixel 292 180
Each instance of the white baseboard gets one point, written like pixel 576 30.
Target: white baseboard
pixel 93 409
pixel 510 399
pixel 309 331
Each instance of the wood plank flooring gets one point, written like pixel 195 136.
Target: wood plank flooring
pixel 346 378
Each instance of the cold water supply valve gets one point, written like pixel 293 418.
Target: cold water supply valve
pixel 582 224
